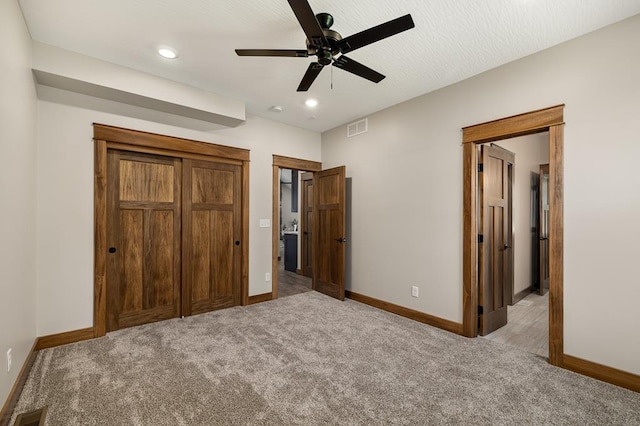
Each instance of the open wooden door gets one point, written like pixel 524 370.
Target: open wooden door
pixel 329 239
pixel 535 230
pixel 543 216
pixel 306 224
pixel 493 256
pixel 143 222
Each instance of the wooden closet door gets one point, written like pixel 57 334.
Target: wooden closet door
pixel 143 234
pixel 212 235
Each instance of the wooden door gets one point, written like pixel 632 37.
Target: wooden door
pixel 509 240
pixel 544 228
pixel 535 230
pixel 329 237
pixel 306 224
pixel 211 236
pixel 493 268
pixel 143 234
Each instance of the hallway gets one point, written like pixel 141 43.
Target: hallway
pixel 528 325
pixel 290 283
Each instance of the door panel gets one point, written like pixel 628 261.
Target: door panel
pixel 306 224
pixel 211 228
pixel 160 248
pixel 329 231
pixel 200 256
pixel 131 291
pixel 143 271
pixel 494 227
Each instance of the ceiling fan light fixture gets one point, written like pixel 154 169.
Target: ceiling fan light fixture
pixel 167 53
pixel 311 103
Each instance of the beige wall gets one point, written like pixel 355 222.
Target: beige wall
pixel 407 188
pixel 17 195
pixel 65 202
pixel 530 152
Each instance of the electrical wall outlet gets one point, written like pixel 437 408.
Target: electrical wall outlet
pixel 9 360
pixel 267 276
pixel 414 291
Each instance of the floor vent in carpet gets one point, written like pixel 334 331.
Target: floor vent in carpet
pixel 32 418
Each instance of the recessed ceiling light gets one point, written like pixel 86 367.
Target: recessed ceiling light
pixel 165 52
pixel 311 103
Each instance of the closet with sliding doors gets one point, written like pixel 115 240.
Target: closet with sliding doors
pixel 171 223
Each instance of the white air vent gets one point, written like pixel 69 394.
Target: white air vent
pixel 357 128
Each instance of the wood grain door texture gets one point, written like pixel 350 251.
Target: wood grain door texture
pixel 212 233
pixel 306 224
pixel 329 239
pixel 143 233
pixel 494 268
pixel 174 232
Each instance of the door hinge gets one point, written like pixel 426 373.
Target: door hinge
pixel 480 238
pixel 480 167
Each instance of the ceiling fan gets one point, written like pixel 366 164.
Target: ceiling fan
pixel 329 46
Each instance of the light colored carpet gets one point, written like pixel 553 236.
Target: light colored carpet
pixel 310 360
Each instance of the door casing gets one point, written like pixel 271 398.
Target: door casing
pixel 543 120
pixel 107 137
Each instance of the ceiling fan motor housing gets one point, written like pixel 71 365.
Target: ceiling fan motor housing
pixel 333 37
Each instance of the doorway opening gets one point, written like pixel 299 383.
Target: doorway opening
pixel 328 216
pixel 524 249
pixel 545 120
pixel 278 272
pixel 294 225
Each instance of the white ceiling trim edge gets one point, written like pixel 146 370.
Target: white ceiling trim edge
pixel 66 70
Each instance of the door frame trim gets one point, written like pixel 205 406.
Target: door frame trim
pixel 548 119
pixel 285 163
pixel 106 137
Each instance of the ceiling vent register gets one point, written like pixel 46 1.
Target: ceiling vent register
pixel 357 128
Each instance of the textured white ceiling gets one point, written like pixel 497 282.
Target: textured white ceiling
pixel 453 40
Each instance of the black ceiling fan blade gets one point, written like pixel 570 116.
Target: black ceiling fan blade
pixel 273 52
pixel 308 22
pixel 376 33
pixel 310 76
pixel 358 69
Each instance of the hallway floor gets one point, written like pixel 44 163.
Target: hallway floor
pixel 527 325
pixel 290 283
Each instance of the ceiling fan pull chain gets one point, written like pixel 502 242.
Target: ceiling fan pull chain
pixel 331 77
